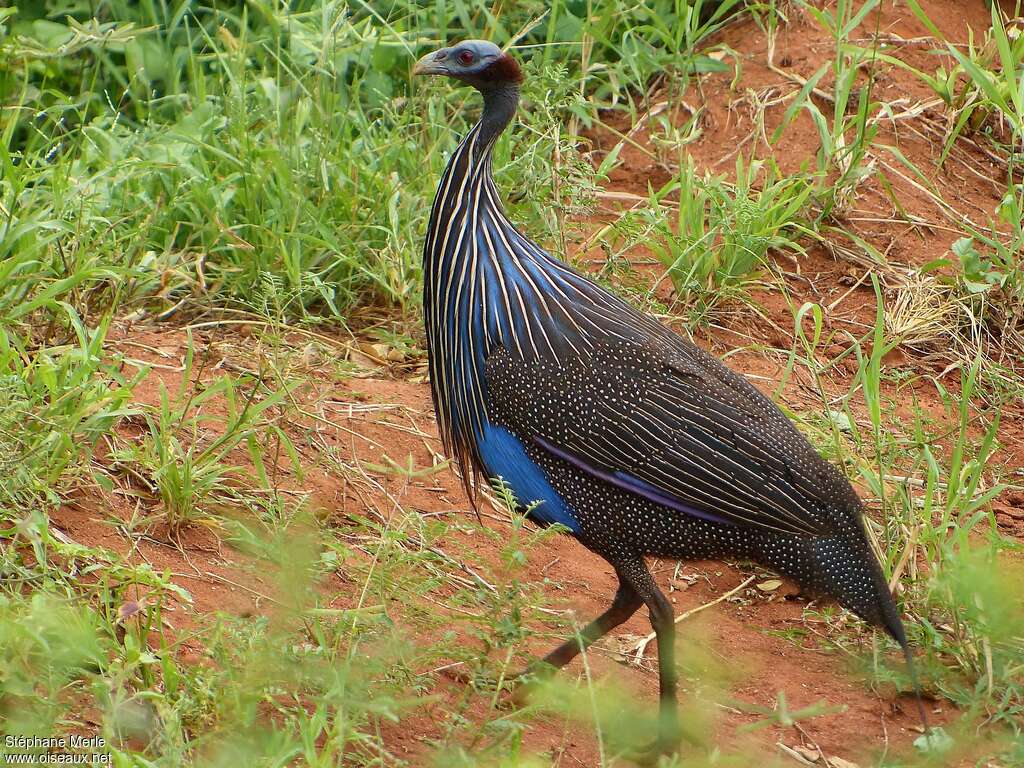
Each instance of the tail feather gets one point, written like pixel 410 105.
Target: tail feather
pixel 912 671
pixel 848 570
pixel 894 626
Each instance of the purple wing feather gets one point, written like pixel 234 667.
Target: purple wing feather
pixel 629 483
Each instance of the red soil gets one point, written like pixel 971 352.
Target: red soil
pixel 732 634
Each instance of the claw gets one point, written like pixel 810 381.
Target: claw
pixel 517 687
pixel 663 746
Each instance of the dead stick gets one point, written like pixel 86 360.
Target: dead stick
pixel 642 645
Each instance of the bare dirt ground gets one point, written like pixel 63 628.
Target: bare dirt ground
pixel 386 410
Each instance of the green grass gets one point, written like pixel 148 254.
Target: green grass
pixel 204 165
pixel 930 482
pixel 718 237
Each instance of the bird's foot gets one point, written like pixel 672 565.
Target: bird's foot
pixel 652 753
pixel 525 683
pixel 516 687
pixel 458 675
pixel 665 745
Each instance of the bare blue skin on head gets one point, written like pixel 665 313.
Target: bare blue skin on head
pixel 486 67
pixel 466 61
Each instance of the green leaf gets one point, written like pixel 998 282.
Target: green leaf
pixel 801 100
pixel 858 17
pixel 923 18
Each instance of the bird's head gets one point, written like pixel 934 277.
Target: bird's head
pixel 479 63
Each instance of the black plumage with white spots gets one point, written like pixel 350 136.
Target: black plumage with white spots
pixel 667 411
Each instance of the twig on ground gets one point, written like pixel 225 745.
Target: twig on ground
pixel 638 650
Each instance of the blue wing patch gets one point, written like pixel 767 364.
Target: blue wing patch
pixel 504 456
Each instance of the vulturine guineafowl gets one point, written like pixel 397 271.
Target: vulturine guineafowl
pixel 636 440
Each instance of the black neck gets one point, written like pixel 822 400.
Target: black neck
pixel 500 105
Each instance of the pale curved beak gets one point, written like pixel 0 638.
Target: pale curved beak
pixel 432 64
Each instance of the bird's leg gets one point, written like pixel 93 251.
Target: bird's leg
pixel 625 604
pixel 663 623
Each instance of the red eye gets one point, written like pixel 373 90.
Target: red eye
pixel 465 57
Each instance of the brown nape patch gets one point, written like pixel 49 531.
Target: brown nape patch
pixel 504 69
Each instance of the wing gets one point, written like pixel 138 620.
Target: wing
pixel 663 419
